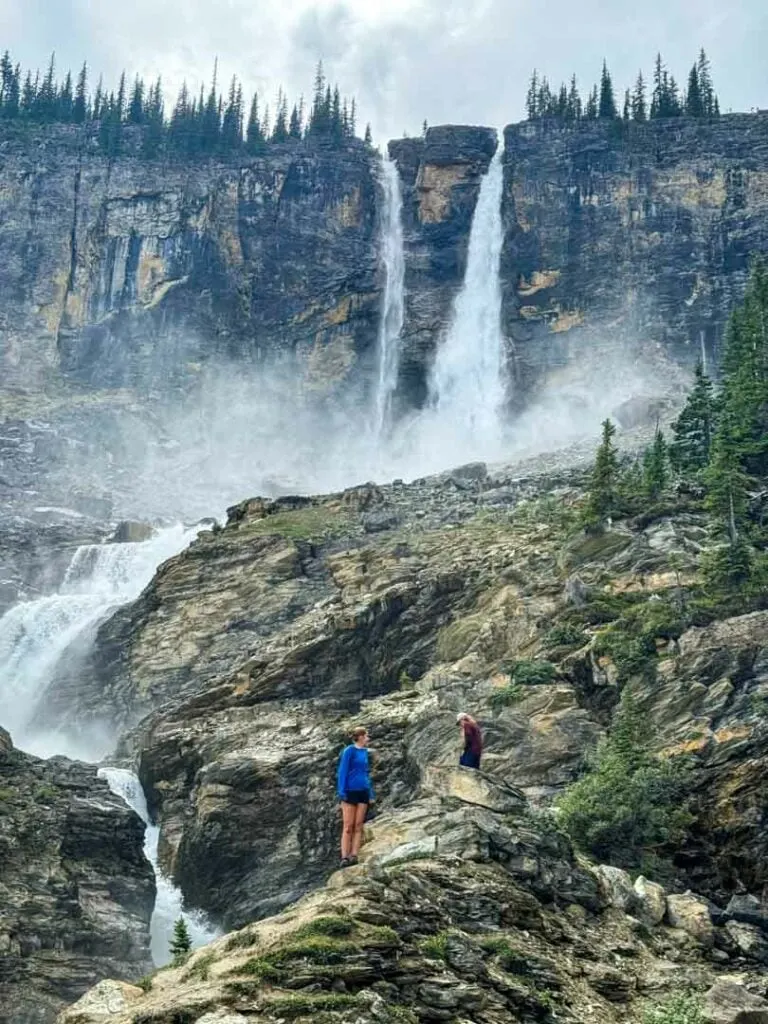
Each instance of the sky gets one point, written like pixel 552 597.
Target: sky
pixel 406 61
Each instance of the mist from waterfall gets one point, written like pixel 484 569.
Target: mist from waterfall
pixel 466 387
pixel 169 901
pixel 393 305
pixel 34 635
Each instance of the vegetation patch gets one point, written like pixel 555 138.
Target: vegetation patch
pixel 630 805
pixel 315 949
pixel 313 522
pixel 564 635
pixel 309 1005
pixel 630 642
pixel 334 925
pixel 506 696
pixel 242 940
pixel 201 968
pixel 436 946
pixel 532 673
pixel 676 1009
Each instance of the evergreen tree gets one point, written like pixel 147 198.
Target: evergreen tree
pixel 603 485
pixel 294 127
pixel 80 109
pixel 706 89
pixel 136 104
pixel 532 97
pixel 574 101
pixel 694 428
pixel 639 109
pixel 627 112
pixel 607 107
pixel 694 106
pixel 181 943
pixel 657 96
pixel 254 136
pixel 655 475
pixel 590 111
pixel 154 122
pixel 66 101
pixel 98 101
pixel 368 136
pixel 280 131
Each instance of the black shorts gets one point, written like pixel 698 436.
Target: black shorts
pixel 358 796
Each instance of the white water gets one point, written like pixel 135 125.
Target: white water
pixel 35 634
pixel 169 901
pixel 393 308
pixel 466 387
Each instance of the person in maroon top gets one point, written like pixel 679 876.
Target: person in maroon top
pixel 473 741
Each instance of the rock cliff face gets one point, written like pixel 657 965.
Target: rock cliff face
pixel 629 240
pixel 122 272
pixel 76 892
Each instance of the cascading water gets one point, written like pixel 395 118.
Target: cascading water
pixel 35 634
pixel 467 388
pixel 393 308
pixel 168 903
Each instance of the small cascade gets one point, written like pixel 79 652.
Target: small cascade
pixel 393 308
pixel 467 387
pixel 35 634
pixel 169 901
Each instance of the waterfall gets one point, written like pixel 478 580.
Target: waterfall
pixel 393 307
pixel 467 387
pixel 35 634
pixel 169 901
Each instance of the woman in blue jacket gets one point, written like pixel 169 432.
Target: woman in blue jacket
pixel 355 792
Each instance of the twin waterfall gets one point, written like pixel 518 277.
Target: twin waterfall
pixel 466 387
pixel 463 421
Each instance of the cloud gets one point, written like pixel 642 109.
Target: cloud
pixel 405 60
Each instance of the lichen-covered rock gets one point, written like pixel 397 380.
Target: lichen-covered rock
pixel 102 1004
pixel 651 900
pixel 728 1002
pixel 76 892
pixel 618 887
pixel 691 915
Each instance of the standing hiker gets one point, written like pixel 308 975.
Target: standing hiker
pixel 355 793
pixel 473 741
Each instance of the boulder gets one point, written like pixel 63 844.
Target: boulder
pixel 618 888
pixel 104 1002
pixel 651 905
pixel 728 1002
pixel 748 940
pixel 749 910
pixel 691 914
pixel 474 787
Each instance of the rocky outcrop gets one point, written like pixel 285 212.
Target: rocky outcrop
pixel 76 892
pixel 457 911
pixel 624 242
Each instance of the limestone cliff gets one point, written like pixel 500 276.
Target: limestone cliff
pixel 76 892
pixel 629 240
pixel 127 272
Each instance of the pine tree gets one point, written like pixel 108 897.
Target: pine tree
pixel 590 111
pixel 280 131
pixel 603 485
pixel 694 428
pixel 532 97
pixel 655 474
pixel 136 104
pixel 80 109
pixel 657 96
pixel 294 127
pixel 181 943
pixel 98 101
pixel 694 107
pixel 627 112
pixel 706 89
pixel 607 107
pixel 254 136
pixel 639 109
pixel 574 101
pixel 368 136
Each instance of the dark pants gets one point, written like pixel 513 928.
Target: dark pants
pixel 469 760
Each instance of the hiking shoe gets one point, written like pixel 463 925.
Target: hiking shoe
pixel 352 861
pixel 345 862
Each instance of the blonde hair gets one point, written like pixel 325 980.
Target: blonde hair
pixel 358 732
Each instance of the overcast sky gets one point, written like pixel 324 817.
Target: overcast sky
pixel 461 61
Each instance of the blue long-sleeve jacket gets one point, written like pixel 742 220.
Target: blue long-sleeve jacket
pixel 354 771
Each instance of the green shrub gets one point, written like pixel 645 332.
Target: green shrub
pixel 201 968
pixel 145 983
pixel 630 642
pixel 242 940
pixel 436 946
pixel 629 804
pixel 532 673
pixel 334 925
pixel 564 635
pixel 506 696
pixel 676 1009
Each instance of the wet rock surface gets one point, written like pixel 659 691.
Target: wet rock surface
pixel 76 892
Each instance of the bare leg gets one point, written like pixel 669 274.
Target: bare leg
pixel 359 821
pixel 348 828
